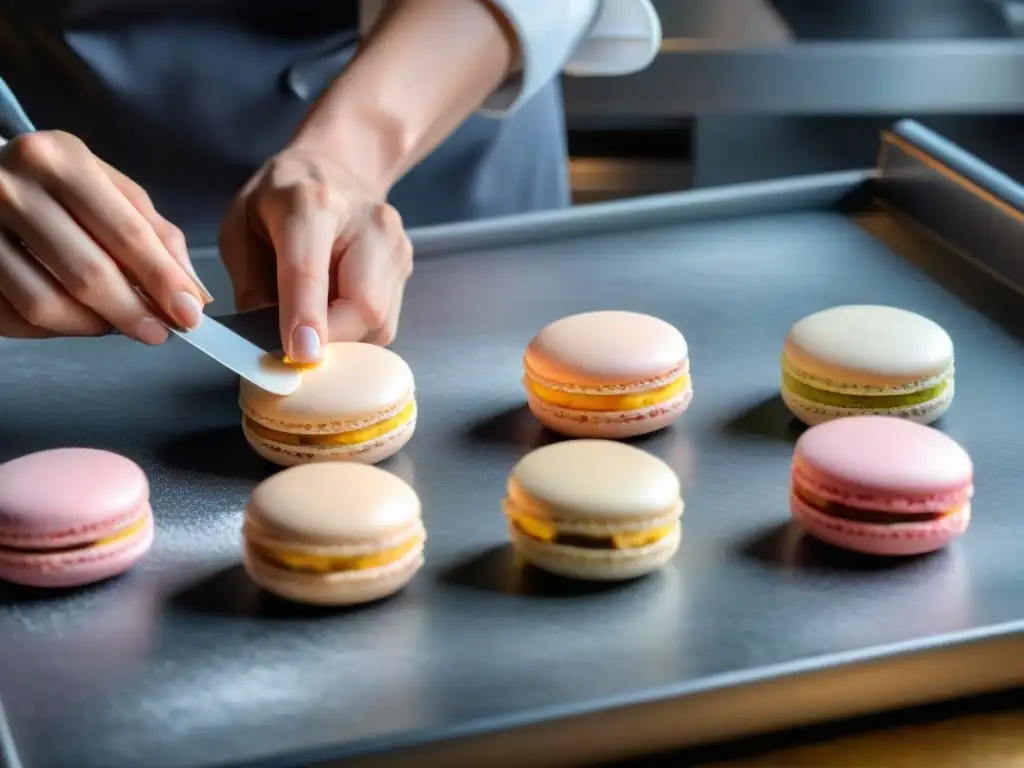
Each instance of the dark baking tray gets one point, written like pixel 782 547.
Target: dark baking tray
pixel 182 663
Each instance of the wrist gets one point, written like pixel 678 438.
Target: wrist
pixel 372 143
pixel 384 114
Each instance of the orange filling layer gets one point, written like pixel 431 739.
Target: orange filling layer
pixel 307 563
pixel 123 534
pixel 541 530
pixel 351 437
pixel 629 401
pixel 296 364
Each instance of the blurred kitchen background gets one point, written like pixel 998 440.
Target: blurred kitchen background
pixel 752 89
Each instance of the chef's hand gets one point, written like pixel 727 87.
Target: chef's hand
pixel 75 236
pixel 306 233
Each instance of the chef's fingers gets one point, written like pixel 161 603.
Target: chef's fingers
pixel 14 326
pixel 248 258
pixel 35 305
pixel 389 332
pixel 303 236
pixel 170 235
pixel 103 229
pixel 82 268
pixel 403 270
pixel 371 275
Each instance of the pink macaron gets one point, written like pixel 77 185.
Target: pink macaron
pixel 881 485
pixel 72 516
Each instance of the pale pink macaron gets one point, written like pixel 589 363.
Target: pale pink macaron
pixel 608 375
pixel 881 485
pixel 72 516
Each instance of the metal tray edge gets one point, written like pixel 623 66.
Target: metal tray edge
pixel 8 749
pixel 755 198
pixel 962 162
pixel 974 210
pixel 728 707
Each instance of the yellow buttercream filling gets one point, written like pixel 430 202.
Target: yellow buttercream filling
pixel 301 561
pixel 536 529
pixel 296 364
pixel 841 400
pixel 581 401
pixel 352 437
pixel 542 530
pixel 127 533
pixel 121 535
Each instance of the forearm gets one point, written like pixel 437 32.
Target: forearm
pixel 425 68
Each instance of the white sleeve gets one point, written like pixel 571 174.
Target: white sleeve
pixel 583 38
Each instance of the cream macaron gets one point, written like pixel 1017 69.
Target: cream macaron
pixel 597 510
pixel 333 534
pixel 865 360
pixel 359 405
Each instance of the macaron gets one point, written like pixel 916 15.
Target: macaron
pixel 596 510
pixel 862 359
pixel 607 375
pixel 359 405
pixel 71 517
pixel 333 534
pixel 881 486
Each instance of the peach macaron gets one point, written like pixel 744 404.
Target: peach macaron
pixel 881 485
pixel 71 517
pixel 333 534
pixel 608 374
pixel 359 404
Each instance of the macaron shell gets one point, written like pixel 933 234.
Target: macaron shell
pixel 371 452
pixel 597 479
pixel 334 502
pixel 882 454
pixel 78 567
pixel 611 425
pixel 67 496
pixel 596 565
pixel 414 535
pixel 609 347
pixel 356 383
pixel 812 414
pixel 334 589
pixel 900 539
pixel 870 345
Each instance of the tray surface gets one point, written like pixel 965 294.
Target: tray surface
pixel 184 663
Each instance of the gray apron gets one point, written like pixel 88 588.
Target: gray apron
pixel 189 97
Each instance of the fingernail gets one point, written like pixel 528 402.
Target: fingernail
pixel 305 345
pixel 199 283
pixel 187 310
pixel 151 331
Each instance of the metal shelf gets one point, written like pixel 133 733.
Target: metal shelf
pixel 855 57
